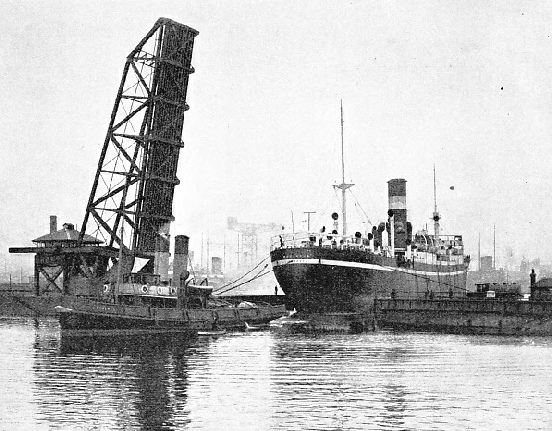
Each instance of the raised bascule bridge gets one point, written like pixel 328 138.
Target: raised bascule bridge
pixel 126 226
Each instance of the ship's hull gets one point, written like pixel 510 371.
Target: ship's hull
pixel 88 317
pixel 317 279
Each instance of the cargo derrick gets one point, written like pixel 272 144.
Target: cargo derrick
pixel 129 209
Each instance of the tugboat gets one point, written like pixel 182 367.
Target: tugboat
pixel 143 304
pixel 329 272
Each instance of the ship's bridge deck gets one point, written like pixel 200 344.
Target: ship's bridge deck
pixel 446 248
pixel 309 239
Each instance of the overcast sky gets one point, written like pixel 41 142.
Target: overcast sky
pixel 462 85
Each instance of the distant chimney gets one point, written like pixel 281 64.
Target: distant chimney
pixel 216 265
pixel 53 223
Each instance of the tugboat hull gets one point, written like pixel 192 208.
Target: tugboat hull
pixel 88 317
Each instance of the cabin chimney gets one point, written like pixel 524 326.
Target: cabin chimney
pixel 180 262
pixel 53 223
pixel 397 212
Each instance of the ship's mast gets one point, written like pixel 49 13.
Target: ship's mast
pixel 479 253
pixel 494 246
pixel 343 186
pixel 436 216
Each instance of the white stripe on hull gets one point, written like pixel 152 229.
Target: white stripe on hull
pixel 361 265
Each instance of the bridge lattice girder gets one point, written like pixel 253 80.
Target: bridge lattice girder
pixel 130 204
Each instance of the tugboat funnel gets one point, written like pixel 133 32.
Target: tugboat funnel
pixel 180 262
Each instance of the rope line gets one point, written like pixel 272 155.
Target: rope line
pixel 257 276
pixel 239 278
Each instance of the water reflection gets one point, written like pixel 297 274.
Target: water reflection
pixel 357 378
pixel 112 381
pixel 394 403
pixel 270 381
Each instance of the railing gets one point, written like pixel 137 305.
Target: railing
pixel 306 239
pixel 431 255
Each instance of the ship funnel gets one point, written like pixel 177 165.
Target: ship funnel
pixel 180 262
pixel 397 212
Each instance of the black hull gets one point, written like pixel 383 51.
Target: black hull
pixel 317 279
pixel 89 317
pixel 86 323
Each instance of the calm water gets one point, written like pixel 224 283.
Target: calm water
pixel 271 381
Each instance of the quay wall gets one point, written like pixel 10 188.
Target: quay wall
pixel 24 305
pixel 17 288
pixel 466 316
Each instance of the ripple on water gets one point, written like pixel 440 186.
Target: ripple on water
pixel 273 381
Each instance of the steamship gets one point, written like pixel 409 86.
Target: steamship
pixel 325 272
pixel 332 272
